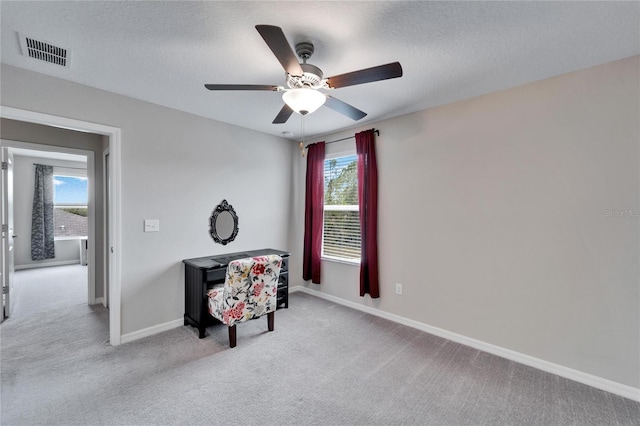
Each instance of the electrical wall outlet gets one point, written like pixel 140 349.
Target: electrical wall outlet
pixel 399 289
pixel 151 225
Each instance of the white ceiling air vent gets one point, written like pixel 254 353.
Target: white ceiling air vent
pixel 43 51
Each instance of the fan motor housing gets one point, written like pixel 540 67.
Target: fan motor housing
pixel 304 50
pixel 311 78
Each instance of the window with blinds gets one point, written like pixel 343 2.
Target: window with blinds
pixel 341 232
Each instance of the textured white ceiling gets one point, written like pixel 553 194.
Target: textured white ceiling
pixel 164 52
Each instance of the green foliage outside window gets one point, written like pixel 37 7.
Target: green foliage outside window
pixel 341 182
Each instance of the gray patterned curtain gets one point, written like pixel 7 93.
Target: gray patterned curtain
pixel 42 232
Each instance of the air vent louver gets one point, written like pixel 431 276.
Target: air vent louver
pixel 44 51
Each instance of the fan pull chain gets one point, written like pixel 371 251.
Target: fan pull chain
pixel 302 148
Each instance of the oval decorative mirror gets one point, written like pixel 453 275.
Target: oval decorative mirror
pixel 223 223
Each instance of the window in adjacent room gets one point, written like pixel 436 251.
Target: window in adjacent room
pixel 70 200
pixel 341 231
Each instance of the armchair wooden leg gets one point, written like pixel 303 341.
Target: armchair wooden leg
pixel 232 336
pixel 270 320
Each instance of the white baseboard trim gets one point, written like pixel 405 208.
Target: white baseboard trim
pixel 99 300
pixel 146 332
pixel 46 264
pixel 568 373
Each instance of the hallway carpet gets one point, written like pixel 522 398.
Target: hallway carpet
pixel 44 289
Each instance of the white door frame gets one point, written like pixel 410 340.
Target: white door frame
pixel 113 134
pixel 105 228
pixel 8 235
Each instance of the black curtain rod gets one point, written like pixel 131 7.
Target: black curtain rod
pixel 61 167
pixel 376 131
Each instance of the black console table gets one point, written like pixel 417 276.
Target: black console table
pixel 202 272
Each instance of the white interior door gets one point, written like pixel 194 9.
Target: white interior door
pixel 7 232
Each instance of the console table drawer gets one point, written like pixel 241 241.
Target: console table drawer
pixel 283 280
pixel 216 275
pixel 283 290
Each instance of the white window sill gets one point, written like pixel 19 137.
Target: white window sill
pixel 69 238
pixel 338 260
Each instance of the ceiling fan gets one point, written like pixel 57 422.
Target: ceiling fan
pixel 304 80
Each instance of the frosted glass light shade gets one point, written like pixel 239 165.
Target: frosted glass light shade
pixel 303 101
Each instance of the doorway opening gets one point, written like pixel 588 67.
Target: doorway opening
pixel 71 231
pixel 112 216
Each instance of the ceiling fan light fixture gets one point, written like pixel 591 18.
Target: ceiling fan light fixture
pixel 303 101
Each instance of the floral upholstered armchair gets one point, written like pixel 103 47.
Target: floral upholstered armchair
pixel 249 291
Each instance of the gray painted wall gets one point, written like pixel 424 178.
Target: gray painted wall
pixel 176 168
pixel 495 214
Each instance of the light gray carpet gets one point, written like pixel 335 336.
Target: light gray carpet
pixel 324 364
pixel 44 289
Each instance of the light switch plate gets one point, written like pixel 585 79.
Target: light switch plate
pixel 151 225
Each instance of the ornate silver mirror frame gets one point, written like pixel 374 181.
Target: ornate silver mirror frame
pixel 223 224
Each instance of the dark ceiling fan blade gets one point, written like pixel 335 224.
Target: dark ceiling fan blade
pixel 367 75
pixel 240 87
pixel 283 115
pixel 344 108
pixel 277 42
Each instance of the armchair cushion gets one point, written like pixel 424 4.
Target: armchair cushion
pixel 216 292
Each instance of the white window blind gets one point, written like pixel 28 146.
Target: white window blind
pixel 341 233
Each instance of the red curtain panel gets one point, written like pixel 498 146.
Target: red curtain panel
pixel 368 202
pixel 313 211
